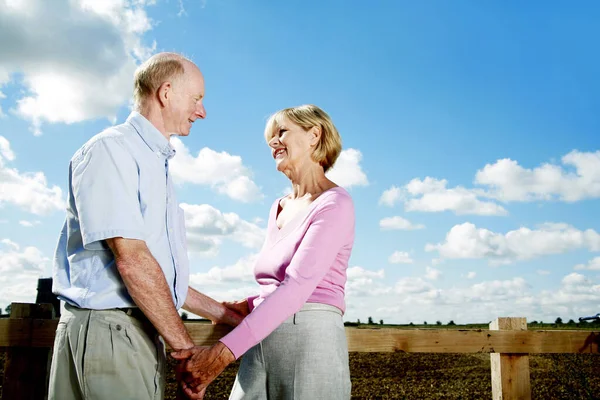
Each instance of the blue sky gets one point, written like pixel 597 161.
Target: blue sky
pixel 470 137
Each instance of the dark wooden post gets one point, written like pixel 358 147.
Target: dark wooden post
pixel 45 295
pixel 26 368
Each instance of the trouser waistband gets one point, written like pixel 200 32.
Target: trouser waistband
pixel 133 315
pixel 320 307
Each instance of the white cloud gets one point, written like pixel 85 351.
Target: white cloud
pixel 354 273
pixel 223 172
pixel 365 283
pixel 432 195
pixel 240 272
pixel 479 302
pixel 575 279
pixel 182 11
pixel 29 224
pixel 232 282
pixel 2 96
pixel 498 290
pixel 347 171
pixel 577 296
pixel 508 181
pixel 19 272
pixel 432 274
pixel 29 191
pixel 10 243
pixel 577 178
pixel 592 265
pixel 543 272
pixel 471 275
pixel 5 150
pixel 207 227
pixel 411 286
pixel 437 261
pixel 400 257
pixel 418 300
pixel 467 241
pixel 398 223
pixel 66 79
pixel 391 196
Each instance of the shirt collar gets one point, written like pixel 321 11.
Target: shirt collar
pixel 152 136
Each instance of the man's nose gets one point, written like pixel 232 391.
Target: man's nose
pixel 201 111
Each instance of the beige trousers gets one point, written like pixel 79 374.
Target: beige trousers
pixel 106 354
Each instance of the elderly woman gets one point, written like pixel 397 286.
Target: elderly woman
pixel 292 338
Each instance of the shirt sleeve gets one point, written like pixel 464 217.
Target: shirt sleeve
pixel 331 228
pixel 105 182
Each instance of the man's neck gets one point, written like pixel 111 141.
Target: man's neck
pixel 155 117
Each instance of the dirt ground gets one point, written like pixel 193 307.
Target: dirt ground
pixel 448 376
pixel 441 376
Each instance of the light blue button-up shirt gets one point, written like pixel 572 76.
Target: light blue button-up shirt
pixel 119 186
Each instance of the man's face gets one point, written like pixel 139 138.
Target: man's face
pixel 185 105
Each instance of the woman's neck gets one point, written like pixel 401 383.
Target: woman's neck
pixel 309 181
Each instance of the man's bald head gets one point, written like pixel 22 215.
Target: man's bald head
pixel 159 68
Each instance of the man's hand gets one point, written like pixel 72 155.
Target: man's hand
pixel 240 307
pixel 200 365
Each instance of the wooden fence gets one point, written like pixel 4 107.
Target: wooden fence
pixel 28 336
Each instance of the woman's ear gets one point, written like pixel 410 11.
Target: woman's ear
pixel 315 135
pixel 164 93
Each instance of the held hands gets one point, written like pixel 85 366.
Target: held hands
pixel 199 366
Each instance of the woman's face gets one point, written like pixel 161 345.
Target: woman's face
pixel 291 146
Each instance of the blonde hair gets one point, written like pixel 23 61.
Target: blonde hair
pixel 155 71
pixel 308 116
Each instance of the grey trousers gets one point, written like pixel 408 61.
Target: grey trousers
pixel 305 358
pixel 106 354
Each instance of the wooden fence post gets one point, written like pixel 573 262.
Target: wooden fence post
pixel 510 371
pixel 26 368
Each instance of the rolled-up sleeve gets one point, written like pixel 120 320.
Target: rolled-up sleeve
pixel 105 185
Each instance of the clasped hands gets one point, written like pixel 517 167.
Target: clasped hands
pixel 200 365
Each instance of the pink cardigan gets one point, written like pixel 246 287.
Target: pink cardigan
pixel 304 262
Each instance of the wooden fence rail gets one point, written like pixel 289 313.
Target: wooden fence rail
pixel 30 333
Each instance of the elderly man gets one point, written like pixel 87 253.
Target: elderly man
pixel 121 262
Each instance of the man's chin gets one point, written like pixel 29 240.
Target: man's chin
pixel 179 133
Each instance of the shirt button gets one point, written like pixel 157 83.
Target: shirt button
pixel 118 327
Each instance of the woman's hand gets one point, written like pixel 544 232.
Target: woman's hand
pixel 199 366
pixel 229 317
pixel 241 307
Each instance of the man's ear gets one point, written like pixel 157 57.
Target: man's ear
pixel 315 135
pixel 164 93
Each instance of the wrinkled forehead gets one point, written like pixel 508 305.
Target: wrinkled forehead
pixel 192 81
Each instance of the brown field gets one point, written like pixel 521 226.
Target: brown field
pixel 447 376
pixel 441 376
